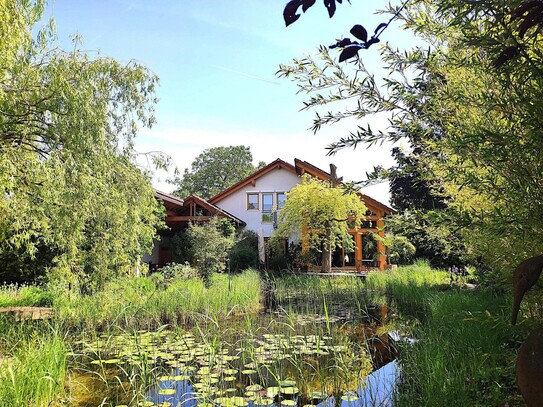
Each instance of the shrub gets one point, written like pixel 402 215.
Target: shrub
pixel 244 255
pixel 210 246
pixel 175 270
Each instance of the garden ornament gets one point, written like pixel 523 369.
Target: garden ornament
pixel 525 276
pixel 529 368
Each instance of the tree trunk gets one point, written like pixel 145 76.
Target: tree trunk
pixel 327 250
pixel 327 257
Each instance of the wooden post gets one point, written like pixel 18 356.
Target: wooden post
pixel 358 250
pixel 380 245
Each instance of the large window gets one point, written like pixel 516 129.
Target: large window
pixel 252 201
pixel 267 206
pixel 281 198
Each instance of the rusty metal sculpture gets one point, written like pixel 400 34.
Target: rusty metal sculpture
pixel 529 368
pixel 524 278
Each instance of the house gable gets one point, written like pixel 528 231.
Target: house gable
pixel 252 179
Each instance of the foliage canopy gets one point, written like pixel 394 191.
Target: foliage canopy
pixel 70 188
pixel 477 123
pixel 320 215
pixel 214 170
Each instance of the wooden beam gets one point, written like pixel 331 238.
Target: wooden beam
pixel 187 218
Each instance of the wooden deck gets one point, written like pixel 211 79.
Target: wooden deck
pixel 338 273
pixel 24 313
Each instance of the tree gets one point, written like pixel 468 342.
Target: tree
pixel 214 170
pixel 486 158
pixel 321 216
pixel 210 244
pixel 72 200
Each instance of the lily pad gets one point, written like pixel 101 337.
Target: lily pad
pixel 271 392
pixel 239 401
pixel 349 397
pixel 289 390
pixel 167 392
pixel 263 401
pixel 287 383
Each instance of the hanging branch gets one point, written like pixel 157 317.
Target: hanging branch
pixel 350 48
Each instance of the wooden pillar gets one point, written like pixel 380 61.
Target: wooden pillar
pixel 358 250
pixel 380 244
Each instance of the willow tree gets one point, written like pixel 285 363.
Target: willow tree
pixel 320 215
pixel 72 200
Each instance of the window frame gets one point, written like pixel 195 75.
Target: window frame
pixel 278 201
pixel 249 208
pixel 267 214
pixel 270 194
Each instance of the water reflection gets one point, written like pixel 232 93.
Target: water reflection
pixel 375 390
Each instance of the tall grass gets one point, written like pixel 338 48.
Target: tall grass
pixel 465 349
pixel 32 364
pixel 13 295
pixel 141 303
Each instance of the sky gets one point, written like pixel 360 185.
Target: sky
pixel 217 62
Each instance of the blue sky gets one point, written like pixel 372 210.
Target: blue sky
pixel 216 61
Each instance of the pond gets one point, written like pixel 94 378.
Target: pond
pixel 326 355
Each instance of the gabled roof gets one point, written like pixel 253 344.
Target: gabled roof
pixel 369 201
pixel 303 167
pixel 300 168
pixel 215 210
pixel 251 179
pixel 171 202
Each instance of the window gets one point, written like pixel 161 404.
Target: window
pixel 281 198
pixel 252 201
pixel 267 202
pixel 267 206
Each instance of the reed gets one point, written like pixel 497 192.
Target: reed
pixel 141 303
pixel 32 364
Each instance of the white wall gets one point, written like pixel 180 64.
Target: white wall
pixel 277 180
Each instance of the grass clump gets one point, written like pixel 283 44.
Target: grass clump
pixel 465 349
pixel 13 295
pixel 143 302
pixel 32 364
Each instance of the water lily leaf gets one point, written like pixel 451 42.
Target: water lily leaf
pixel 289 390
pixel 263 401
pixel 271 392
pixel 239 401
pixel 287 383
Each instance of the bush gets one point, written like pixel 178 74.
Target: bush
pixel 175 270
pixel 279 262
pixel 399 250
pixel 244 255
pixel 210 246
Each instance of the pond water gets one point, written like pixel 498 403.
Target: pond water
pixel 282 358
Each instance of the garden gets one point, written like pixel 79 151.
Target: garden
pixel 152 341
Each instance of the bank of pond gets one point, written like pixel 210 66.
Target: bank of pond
pixel 403 338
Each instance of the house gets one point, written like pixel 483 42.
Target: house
pixel 179 212
pixel 254 198
pixel 251 203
